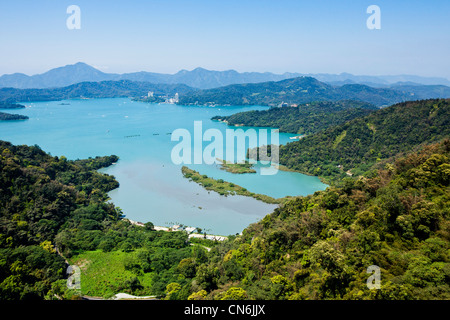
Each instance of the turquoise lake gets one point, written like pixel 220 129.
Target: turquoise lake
pixel 152 188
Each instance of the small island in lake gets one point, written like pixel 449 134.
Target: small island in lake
pixel 9 116
pixel 5 105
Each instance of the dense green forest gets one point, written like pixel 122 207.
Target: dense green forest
pixel 4 105
pixel 306 89
pixel 10 116
pixel 50 205
pixel 320 246
pixel 393 212
pixel 304 119
pixel 315 247
pixel 353 147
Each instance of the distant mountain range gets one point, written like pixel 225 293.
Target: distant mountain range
pixel 358 144
pixel 198 78
pixel 85 90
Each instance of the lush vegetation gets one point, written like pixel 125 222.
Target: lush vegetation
pixel 225 188
pixel 304 90
pixel 9 116
pixel 4 105
pixel 393 212
pixel 145 266
pixel 315 247
pixel 304 119
pixel 52 209
pixel 42 198
pixel 238 168
pixel 353 147
pixel 320 246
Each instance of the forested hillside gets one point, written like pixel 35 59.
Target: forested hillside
pixel 320 246
pixel 4 105
pixel 304 119
pixel 306 89
pixel 353 147
pixel 392 213
pixel 10 116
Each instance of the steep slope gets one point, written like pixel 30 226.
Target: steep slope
pixel 104 89
pixel 327 245
pixel 198 77
pixel 358 144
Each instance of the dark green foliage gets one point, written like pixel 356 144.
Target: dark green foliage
pixel 304 119
pixel 28 272
pixel 49 203
pixel 358 144
pixel 320 246
pixel 9 116
pixel 394 214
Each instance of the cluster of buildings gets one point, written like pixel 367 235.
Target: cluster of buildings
pixel 191 231
pixel 285 104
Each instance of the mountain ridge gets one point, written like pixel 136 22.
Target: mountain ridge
pixel 198 77
pixel 83 90
pixel 302 90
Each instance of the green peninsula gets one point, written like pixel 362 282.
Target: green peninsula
pixel 238 168
pixel 225 188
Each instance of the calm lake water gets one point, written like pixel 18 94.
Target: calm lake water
pixel 152 188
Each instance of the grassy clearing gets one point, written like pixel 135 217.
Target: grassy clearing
pixel 238 168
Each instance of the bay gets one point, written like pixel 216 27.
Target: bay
pixel 152 187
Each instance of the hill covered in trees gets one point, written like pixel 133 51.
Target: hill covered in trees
pixel 394 215
pixel 302 90
pixel 304 119
pixel 50 205
pixel 9 116
pixel 320 246
pixel 356 145
pixel 82 90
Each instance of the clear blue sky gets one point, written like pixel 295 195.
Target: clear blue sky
pixel 321 36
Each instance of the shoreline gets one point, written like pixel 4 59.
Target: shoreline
pixel 190 235
pixel 225 188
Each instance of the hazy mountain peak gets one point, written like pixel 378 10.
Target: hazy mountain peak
pixel 200 69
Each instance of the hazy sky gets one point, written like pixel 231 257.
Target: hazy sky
pixel 246 35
